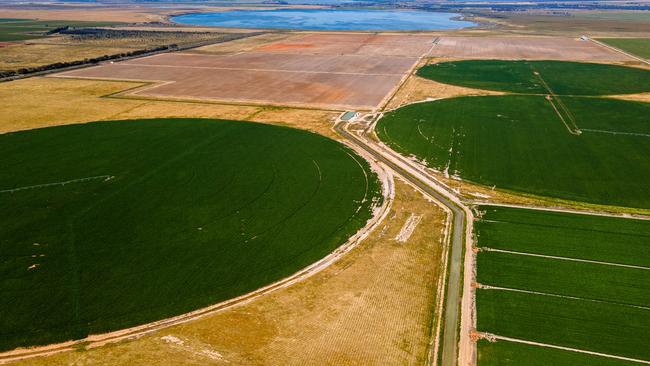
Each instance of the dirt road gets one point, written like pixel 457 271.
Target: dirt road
pixel 453 352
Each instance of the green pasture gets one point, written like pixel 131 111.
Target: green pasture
pixel 109 225
pixel 589 237
pixel 595 281
pixel 536 77
pixel 594 306
pixel 504 353
pixel 583 324
pixel 519 143
pixel 636 46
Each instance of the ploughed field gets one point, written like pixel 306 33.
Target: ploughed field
pixel 326 71
pixel 108 225
pixel 562 280
pixel 524 48
pixel 553 138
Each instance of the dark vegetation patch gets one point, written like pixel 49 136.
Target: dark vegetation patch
pixel 561 234
pixel 520 143
pixel 113 224
pixel 597 307
pixel 587 325
pixel 24 29
pixel 504 353
pixel 636 46
pixel 563 78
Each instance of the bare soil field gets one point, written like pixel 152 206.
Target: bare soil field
pixel 372 307
pixel 240 45
pixel 532 48
pixel 351 43
pixel 348 79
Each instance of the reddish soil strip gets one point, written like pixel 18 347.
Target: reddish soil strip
pixel 357 44
pixel 532 48
pixel 6 44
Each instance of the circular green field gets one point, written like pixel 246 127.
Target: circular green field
pixel 538 77
pixel 520 143
pixel 108 225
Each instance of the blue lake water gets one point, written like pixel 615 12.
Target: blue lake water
pixel 327 19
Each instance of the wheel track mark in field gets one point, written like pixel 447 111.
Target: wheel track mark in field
pixel 320 176
pixel 365 175
pixel 79 180
pixel 494 337
pixel 617 132
pixel 573 129
pixel 530 292
pixel 488 249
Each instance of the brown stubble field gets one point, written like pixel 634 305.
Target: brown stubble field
pixel 305 71
pixel 517 48
pixel 372 307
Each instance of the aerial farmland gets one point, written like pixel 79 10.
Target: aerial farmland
pixel 453 184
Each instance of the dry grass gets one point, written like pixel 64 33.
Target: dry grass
pixel 88 13
pixel 62 101
pixel 373 307
pixel 640 97
pixel 51 50
pixel 417 89
pixel 30 55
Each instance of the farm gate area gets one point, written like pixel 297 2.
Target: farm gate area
pixel 337 71
pixel 561 288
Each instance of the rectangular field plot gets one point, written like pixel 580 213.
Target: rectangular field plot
pixel 636 46
pixel 606 239
pixel 304 70
pixel 575 287
pixel 530 48
pixel 505 353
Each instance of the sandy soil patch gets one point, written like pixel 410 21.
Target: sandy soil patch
pixel 641 97
pixel 533 48
pixel 372 307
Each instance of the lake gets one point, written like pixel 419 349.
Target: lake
pixel 327 19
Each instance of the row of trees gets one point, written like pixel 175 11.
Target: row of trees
pixel 86 61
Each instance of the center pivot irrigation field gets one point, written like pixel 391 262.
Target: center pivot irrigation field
pixel 113 224
pixel 554 139
pixel 332 71
pixel 551 280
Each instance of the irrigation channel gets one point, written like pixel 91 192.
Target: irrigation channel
pixel 453 351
